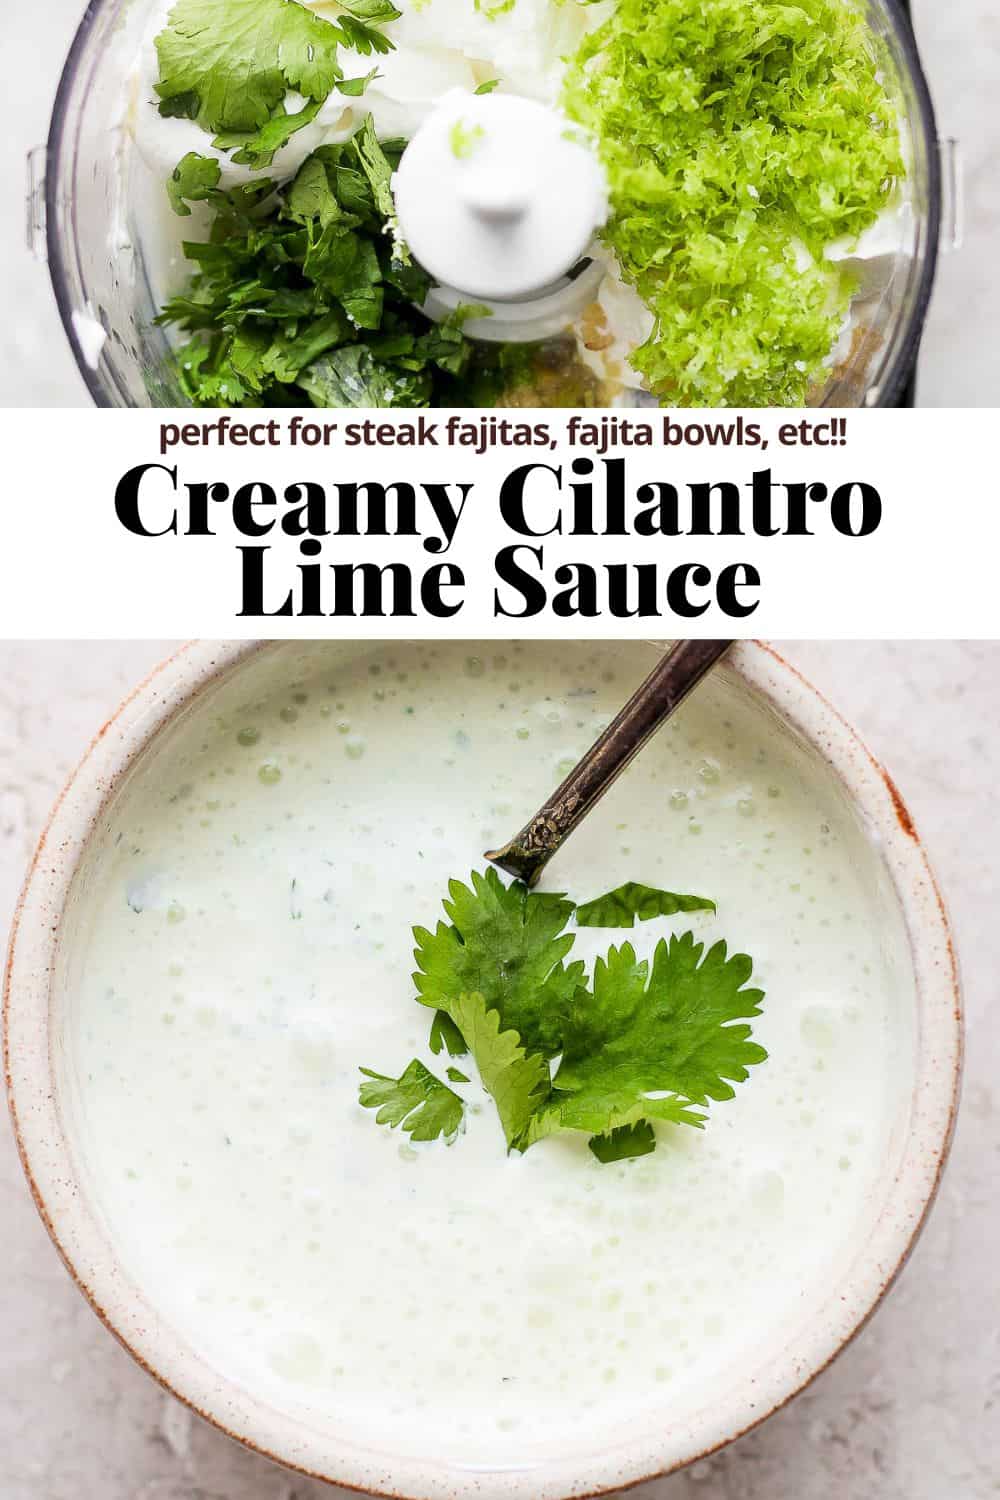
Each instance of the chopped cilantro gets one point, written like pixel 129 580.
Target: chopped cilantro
pixel 488 86
pixel 740 137
pixel 621 907
pixel 355 87
pixel 354 376
pixel 257 148
pixel 376 167
pixel 424 1106
pixel 455 1075
pixel 303 295
pixel 194 180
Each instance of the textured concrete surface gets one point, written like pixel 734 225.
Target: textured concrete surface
pixel 960 366
pixel 911 1411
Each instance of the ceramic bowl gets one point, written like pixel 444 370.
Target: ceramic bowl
pixel 766 1379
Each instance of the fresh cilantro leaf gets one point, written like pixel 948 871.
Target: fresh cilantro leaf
pixel 230 66
pixel 372 10
pixel 289 355
pixel 445 1034
pixel 457 1076
pixel 591 1110
pixel 507 944
pixel 518 1082
pixel 193 362
pixel 394 146
pixel 445 345
pixel 355 87
pixel 488 87
pixel 412 282
pixel 621 907
pixel 311 196
pixel 352 376
pixel 345 266
pixel 248 353
pixel 241 206
pixel 624 1142
pixel 207 374
pixel 257 149
pixel 194 179
pixel 376 167
pixel 424 1106
pixel 652 1039
pixel 362 37
pixel 181 107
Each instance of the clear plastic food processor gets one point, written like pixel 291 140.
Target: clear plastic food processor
pixel 88 219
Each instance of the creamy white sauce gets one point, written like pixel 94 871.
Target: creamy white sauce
pixel 239 943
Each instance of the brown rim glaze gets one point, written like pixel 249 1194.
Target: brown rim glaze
pixel 142 715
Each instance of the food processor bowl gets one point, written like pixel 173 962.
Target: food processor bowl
pixel 92 239
pixel 95 228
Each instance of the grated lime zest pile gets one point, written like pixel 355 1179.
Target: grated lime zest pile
pixel 740 138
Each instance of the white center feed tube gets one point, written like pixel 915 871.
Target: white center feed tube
pixel 497 197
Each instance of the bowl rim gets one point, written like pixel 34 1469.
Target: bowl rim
pixel 49 1163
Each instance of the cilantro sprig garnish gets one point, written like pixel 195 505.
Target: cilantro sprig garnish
pixel 658 1028
pixel 641 1040
pixel 507 944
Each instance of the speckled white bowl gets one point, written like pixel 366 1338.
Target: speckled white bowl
pixel 920 1141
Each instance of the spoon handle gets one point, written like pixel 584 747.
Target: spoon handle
pixel 666 686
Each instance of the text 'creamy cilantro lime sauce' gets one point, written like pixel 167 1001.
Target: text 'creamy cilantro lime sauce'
pixel 239 941
pixel 752 154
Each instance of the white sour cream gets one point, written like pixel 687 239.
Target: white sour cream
pixel 238 943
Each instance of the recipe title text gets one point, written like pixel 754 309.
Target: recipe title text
pixel 641 496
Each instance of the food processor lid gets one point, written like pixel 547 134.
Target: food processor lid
pixel 498 196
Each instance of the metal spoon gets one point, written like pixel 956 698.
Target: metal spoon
pixel 667 685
